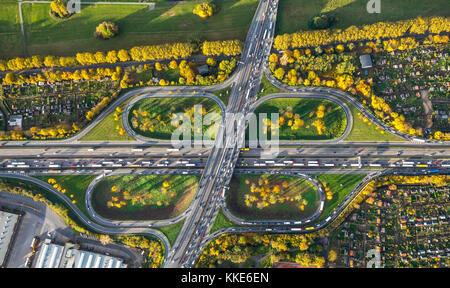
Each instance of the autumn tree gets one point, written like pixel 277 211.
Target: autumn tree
pixel 332 256
pixel 226 47
pixel 106 30
pixel 321 21
pixel 59 8
pixel 173 65
pixel 211 62
pixel 204 10
pixel 105 239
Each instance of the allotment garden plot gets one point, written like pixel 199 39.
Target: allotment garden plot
pixel 417 84
pixel 53 110
pixel 143 197
pixel 272 197
pixel 407 221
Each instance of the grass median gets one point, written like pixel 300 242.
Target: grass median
pixel 106 130
pixel 271 197
pixel 171 231
pixel 339 185
pixel 144 197
pixel 221 222
pixel 300 119
pixel 152 117
pixel 364 130
pixel 74 187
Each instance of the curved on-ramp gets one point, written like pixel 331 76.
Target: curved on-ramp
pixel 283 230
pixel 106 229
pixel 125 223
pixel 312 95
pixel 282 222
pixel 126 112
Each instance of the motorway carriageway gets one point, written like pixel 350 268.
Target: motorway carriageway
pixel 182 163
pixel 14 153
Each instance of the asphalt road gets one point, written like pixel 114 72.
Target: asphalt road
pixel 316 95
pixel 114 229
pixel 130 131
pixel 222 159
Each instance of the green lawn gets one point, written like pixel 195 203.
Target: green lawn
pixel 340 185
pixel 267 88
pixel 10 37
pixel 106 129
pixel 144 197
pixel 223 94
pixel 277 210
pixel 168 22
pixel 293 15
pixel 334 118
pixel 75 185
pixel 365 131
pixel 163 107
pixel 171 231
pixel 221 222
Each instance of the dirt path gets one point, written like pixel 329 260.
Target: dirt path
pixel 428 107
pixel 22 31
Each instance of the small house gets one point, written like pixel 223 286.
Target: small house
pixel 366 61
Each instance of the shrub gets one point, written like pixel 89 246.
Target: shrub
pixel 321 21
pixel 204 10
pixel 106 30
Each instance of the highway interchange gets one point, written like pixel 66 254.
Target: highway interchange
pixel 216 164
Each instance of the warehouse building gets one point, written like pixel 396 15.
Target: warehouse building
pixel 8 223
pixel 69 256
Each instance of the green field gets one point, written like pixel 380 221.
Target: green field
pixel 163 107
pixel 334 118
pixel 366 131
pixel 144 197
pixel 106 130
pixel 10 37
pixel 75 185
pixel 267 88
pixel 221 222
pixel 293 15
pixel 223 94
pixel 168 22
pixel 340 185
pixel 279 210
pixel 171 231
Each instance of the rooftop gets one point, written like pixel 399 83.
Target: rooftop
pixel 366 61
pixel 69 256
pixel 7 224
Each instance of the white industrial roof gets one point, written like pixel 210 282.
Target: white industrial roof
pixel 50 256
pixel 7 224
